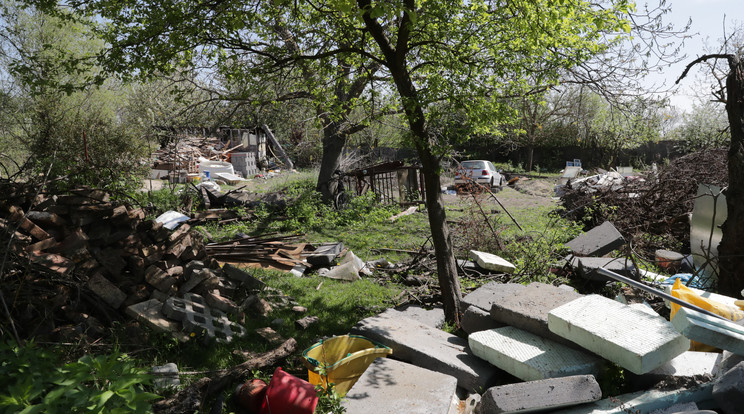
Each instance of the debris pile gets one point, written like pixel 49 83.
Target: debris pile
pixel 184 153
pixel 659 204
pixel 84 260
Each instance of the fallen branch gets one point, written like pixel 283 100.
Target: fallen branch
pixel 206 388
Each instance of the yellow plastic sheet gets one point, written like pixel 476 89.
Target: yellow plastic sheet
pixel 686 294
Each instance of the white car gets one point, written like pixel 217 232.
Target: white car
pixel 479 171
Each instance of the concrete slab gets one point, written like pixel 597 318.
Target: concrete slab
pixel 587 267
pixel 393 387
pixel 688 408
pixel 492 262
pixel 528 308
pixel 631 338
pixel 530 357
pixel 728 390
pixel 644 402
pixel 433 317
pixel 476 319
pixel 149 312
pixel 709 330
pixel 548 394
pixel 492 292
pixel 597 242
pixel 688 365
pixel 728 361
pixel 428 348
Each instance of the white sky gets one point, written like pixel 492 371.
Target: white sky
pixel 707 24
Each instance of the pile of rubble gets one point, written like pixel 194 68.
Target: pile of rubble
pixel 652 204
pixel 77 262
pixel 551 349
pixel 184 153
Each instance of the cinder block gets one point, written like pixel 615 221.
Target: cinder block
pixel 476 319
pixel 712 331
pixel 644 402
pixel 728 390
pixel 149 313
pixel 547 394
pixel 165 376
pixel 197 317
pixel 492 262
pixel 428 348
pixel 393 387
pixel 597 242
pixel 492 292
pixel 631 338
pixel 527 309
pixel 587 267
pixel 688 365
pixel 530 357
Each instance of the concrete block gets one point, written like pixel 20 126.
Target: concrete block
pixel 687 365
pixel 393 387
pixel 528 308
pixel 547 394
pixel 476 319
pixel 644 402
pixel 587 267
pixel 149 313
pixel 430 317
pixel 597 242
pixel 428 348
pixel 631 338
pixel 530 357
pixel 242 277
pixel 687 408
pixel 728 360
pixel 728 390
pixel 106 290
pixel 492 292
pixel 325 254
pixel 492 262
pixel 197 317
pixel 709 330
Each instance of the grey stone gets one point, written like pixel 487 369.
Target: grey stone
pixel 492 292
pixel 191 267
pixel 476 319
pixel 587 267
pixel 678 408
pixel 428 348
pixel 242 277
pixel 597 242
pixel 325 254
pixel 106 290
pixel 687 365
pixel 728 360
pixel 393 387
pixel 165 376
pixel 430 317
pixel 643 401
pixel 728 390
pixel 528 309
pixel 548 394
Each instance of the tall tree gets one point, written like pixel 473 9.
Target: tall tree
pixel 729 89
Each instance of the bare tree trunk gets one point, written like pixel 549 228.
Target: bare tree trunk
pixel 731 248
pixel 395 60
pixel 333 147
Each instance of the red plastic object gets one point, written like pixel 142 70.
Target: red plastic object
pixel 252 394
pixel 287 394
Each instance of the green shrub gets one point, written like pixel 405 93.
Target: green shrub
pixel 34 381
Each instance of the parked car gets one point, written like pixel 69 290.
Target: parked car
pixel 478 171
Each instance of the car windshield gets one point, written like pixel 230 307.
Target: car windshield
pixel 473 164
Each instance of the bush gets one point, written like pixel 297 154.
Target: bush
pixel 35 382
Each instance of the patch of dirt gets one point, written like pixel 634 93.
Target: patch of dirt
pixel 530 192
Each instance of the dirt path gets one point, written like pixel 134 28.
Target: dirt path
pixel 527 193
